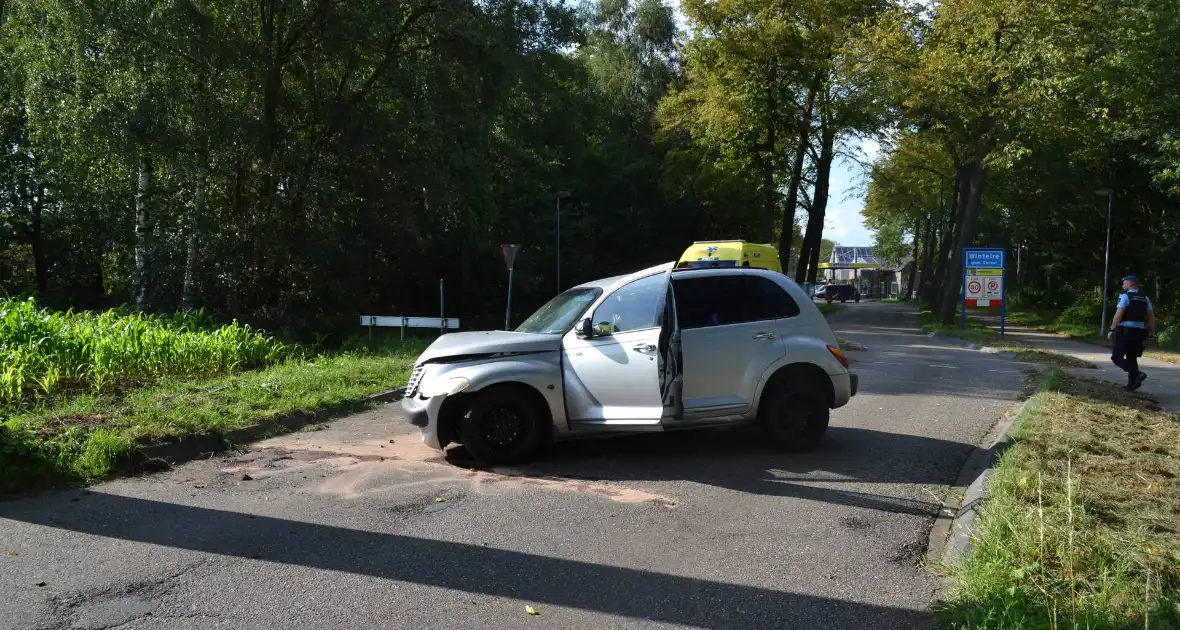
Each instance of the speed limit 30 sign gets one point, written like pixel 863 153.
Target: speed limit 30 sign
pixel 974 289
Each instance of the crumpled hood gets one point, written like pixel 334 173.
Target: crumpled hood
pixel 489 342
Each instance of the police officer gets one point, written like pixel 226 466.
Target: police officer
pixel 1134 323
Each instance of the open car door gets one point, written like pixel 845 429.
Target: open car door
pixel 671 361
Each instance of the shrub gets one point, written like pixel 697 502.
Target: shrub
pixel 1085 310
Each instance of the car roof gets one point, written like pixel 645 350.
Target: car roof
pixel 602 283
pixel 612 281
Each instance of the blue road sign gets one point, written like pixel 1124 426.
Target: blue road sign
pixel 990 258
pixel 983 258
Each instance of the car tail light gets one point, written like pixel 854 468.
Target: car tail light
pixel 839 354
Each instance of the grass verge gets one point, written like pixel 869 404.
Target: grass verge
pixel 984 336
pixel 1081 527
pixel 828 309
pixel 92 436
pixel 1049 323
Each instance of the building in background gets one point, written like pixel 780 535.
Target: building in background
pixel 875 278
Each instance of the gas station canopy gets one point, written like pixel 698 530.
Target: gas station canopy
pixel 853 258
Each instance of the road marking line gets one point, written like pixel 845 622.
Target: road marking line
pixel 951 367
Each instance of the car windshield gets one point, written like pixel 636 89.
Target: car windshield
pixel 560 313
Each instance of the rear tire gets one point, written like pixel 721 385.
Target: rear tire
pixel 794 414
pixel 501 427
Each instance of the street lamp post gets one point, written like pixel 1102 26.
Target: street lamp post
pixel 562 194
pixel 1109 192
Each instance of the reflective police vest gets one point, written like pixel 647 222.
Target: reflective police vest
pixel 1136 310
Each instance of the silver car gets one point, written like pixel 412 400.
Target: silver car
pixel 656 350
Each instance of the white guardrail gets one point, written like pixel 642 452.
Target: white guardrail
pixel 394 321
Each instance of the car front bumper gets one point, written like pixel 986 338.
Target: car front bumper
pixel 423 413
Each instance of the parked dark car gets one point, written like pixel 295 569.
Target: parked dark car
pixel 842 292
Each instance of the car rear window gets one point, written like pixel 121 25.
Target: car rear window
pixel 730 299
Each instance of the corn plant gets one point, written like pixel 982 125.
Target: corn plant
pixel 46 353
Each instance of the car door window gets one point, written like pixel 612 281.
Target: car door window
pixel 634 306
pixel 764 299
pixel 707 301
pixel 730 299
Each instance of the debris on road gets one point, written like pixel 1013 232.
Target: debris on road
pixel 532 611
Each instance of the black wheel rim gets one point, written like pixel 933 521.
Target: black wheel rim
pixel 504 427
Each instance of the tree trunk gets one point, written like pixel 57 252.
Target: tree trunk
pixel 194 222
pixel 768 192
pixel 768 166
pixel 909 292
pixel 947 238
pixel 787 235
pixel 976 180
pixel 143 195
pixel 927 260
pixel 37 239
pixel 815 222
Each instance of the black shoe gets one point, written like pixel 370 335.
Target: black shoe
pixel 1137 381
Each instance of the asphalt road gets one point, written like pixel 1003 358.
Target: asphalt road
pixel 359 526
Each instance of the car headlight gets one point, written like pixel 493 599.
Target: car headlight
pixel 443 387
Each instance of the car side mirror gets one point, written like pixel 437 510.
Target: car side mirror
pixel 584 329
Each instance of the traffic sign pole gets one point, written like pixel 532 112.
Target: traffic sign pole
pixel 508 252
pixel 988 281
pixel 508 310
pixel 963 307
pixel 1003 302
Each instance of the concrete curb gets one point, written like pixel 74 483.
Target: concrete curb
pixel 166 454
pixel 952 536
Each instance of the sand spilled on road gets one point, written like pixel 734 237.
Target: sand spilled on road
pixel 356 468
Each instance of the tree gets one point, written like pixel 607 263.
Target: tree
pixel 980 76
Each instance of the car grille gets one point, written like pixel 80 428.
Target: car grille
pixel 415 380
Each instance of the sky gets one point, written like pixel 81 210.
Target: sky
pixel 843 223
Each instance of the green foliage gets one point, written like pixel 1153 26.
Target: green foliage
pixel 1085 311
pixel 24 461
pixel 308 161
pixel 45 353
pixel 1062 99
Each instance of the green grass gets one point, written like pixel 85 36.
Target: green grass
pixel 828 309
pixel 1081 527
pixel 44 354
pixel 94 435
pixel 979 334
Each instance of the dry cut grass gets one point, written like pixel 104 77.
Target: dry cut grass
pixel 1081 528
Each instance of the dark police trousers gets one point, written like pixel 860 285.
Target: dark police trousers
pixel 1128 347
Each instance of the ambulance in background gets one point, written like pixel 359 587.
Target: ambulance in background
pixel 714 254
